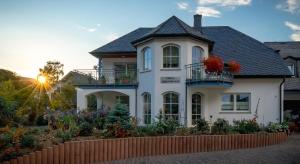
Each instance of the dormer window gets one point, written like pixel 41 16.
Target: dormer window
pixel 171 56
pixel 147 59
pixel 292 69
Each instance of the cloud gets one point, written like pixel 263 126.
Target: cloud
pixel 208 11
pixel 87 29
pixel 225 3
pixel 112 36
pixel 182 5
pixel 296 30
pixel 291 6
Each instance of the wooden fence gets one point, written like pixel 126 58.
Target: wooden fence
pixel 90 151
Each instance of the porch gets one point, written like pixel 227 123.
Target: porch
pixel 106 99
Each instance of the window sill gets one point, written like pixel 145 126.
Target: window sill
pixel 235 112
pixel 170 69
pixel 145 71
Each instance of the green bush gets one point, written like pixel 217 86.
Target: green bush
pixel 85 129
pixel 28 140
pixel 277 127
pixel 5 140
pixel 166 126
pixel 183 131
pixel 64 135
pixel 246 126
pixel 221 126
pixel 202 126
pixel 118 122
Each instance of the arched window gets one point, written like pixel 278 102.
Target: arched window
pixel 147 58
pixel 171 105
pixel 147 108
pixel 197 54
pixel 171 56
pixel 196 107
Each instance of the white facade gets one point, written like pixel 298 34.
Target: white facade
pixel 266 91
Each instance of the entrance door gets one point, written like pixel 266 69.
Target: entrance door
pixel 196 107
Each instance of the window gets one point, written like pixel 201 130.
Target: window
pixel 147 58
pixel 147 108
pixel 171 105
pixel 196 108
pixel 292 69
pixel 171 57
pixel 236 102
pixel 123 100
pixel 197 54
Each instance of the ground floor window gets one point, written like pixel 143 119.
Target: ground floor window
pixel 147 108
pixel 123 100
pixel 171 105
pixel 236 102
pixel 196 107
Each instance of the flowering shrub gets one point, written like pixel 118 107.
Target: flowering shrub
pixel 214 64
pixel 234 67
pixel 246 126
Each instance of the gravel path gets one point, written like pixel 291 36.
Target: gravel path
pixel 286 153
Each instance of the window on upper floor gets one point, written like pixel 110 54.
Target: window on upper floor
pixel 171 56
pixel 147 59
pixel 197 54
pixel 236 102
pixel 292 69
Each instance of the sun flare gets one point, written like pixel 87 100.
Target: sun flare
pixel 41 79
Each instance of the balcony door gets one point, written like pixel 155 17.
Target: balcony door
pixel 197 57
pixel 124 72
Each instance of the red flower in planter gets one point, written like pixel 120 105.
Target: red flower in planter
pixel 234 67
pixel 214 64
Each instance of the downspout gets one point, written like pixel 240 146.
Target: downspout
pixel 135 102
pixel 280 102
pixel 185 118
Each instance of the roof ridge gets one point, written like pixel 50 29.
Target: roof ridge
pixel 160 25
pixel 177 20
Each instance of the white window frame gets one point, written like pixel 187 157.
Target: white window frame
pixel 235 103
pixel 145 57
pixel 171 103
pixel 292 68
pixel 146 104
pixel 171 56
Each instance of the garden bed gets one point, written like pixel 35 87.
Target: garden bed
pixel 89 151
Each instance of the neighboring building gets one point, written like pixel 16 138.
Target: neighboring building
pixel 290 52
pixel 160 69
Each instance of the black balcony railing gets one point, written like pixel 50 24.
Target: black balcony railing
pixel 107 77
pixel 195 73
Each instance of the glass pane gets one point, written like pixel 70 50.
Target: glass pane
pixel 242 101
pixel 197 54
pixel 227 102
pixel 175 51
pixel 174 108
pixel 167 108
pixel 174 97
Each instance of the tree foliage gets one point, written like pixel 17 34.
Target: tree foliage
pixel 53 70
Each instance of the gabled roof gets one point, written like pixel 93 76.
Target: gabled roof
pixel 255 58
pixel 286 49
pixel 171 28
pixel 122 44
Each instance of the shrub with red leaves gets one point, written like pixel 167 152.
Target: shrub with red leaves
pixel 234 67
pixel 214 64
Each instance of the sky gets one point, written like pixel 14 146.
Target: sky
pixel 33 32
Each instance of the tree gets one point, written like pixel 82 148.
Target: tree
pixel 52 71
pixel 7 75
pixel 65 99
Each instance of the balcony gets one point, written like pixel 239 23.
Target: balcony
pixel 107 78
pixel 197 76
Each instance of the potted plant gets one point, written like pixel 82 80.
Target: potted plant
pixel 234 67
pixel 213 64
pixel 102 79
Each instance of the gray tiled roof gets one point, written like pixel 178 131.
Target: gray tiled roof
pixel 292 84
pixel 286 49
pixel 122 44
pixel 174 27
pixel 255 58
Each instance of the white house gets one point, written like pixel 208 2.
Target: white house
pixel 159 69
